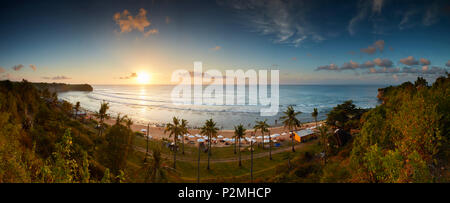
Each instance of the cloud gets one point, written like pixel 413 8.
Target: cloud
pixel 349 66
pixel 367 64
pixel 328 67
pixel 284 21
pixel 33 67
pixel 61 77
pixel 379 45
pixel 383 62
pixel 373 48
pixel 168 20
pixel 132 75
pixel 216 48
pixel 405 22
pixel 377 5
pixel 2 70
pixel 364 8
pixel 425 62
pixel 369 50
pixel 409 61
pixel 448 63
pixel 431 15
pixel 17 67
pixel 128 22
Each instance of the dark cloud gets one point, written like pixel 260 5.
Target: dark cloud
pixel 367 64
pixel 60 77
pixel 17 67
pixel 328 67
pixel 409 61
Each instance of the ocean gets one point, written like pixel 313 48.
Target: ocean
pixel 153 103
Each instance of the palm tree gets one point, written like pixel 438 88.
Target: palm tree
pixel 157 170
pixel 102 115
pixel 128 122
pixel 210 130
pixel 184 130
pixel 291 122
pixel 174 130
pixel 263 127
pixel 239 133
pixel 314 114
pixel 323 134
pixel 251 159
pixel 77 108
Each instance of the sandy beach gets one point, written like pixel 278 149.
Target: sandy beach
pixel 158 132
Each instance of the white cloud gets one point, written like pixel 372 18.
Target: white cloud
pixel 284 21
pixel 431 15
pixel 216 48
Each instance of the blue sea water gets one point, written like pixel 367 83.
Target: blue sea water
pixel 153 103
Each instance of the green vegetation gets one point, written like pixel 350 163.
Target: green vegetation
pixel 405 139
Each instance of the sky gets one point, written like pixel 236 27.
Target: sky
pixel 310 42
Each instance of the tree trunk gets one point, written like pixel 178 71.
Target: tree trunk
pixel 251 166
pixel 240 164
pixel 198 164
pixel 183 143
pixel 175 152
pixel 292 141
pixel 209 150
pixel 235 141
pixel 262 140
pixel 270 147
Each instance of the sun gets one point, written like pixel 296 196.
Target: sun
pixel 143 78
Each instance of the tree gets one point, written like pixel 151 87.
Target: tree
pixel 102 115
pixel 314 114
pixel 209 129
pixel 263 127
pixel 119 140
pixel 420 82
pixel 239 133
pixel 184 130
pixel 291 122
pixel 157 170
pixel 77 109
pixel 323 135
pixel 174 130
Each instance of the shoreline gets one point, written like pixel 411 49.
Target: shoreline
pixel 157 132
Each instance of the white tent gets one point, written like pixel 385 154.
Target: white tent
pixel 259 137
pixel 266 141
pixel 274 135
pixel 283 134
pixel 144 130
pixel 266 137
pixel 197 135
pixel 191 136
pixel 220 136
pixel 200 140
